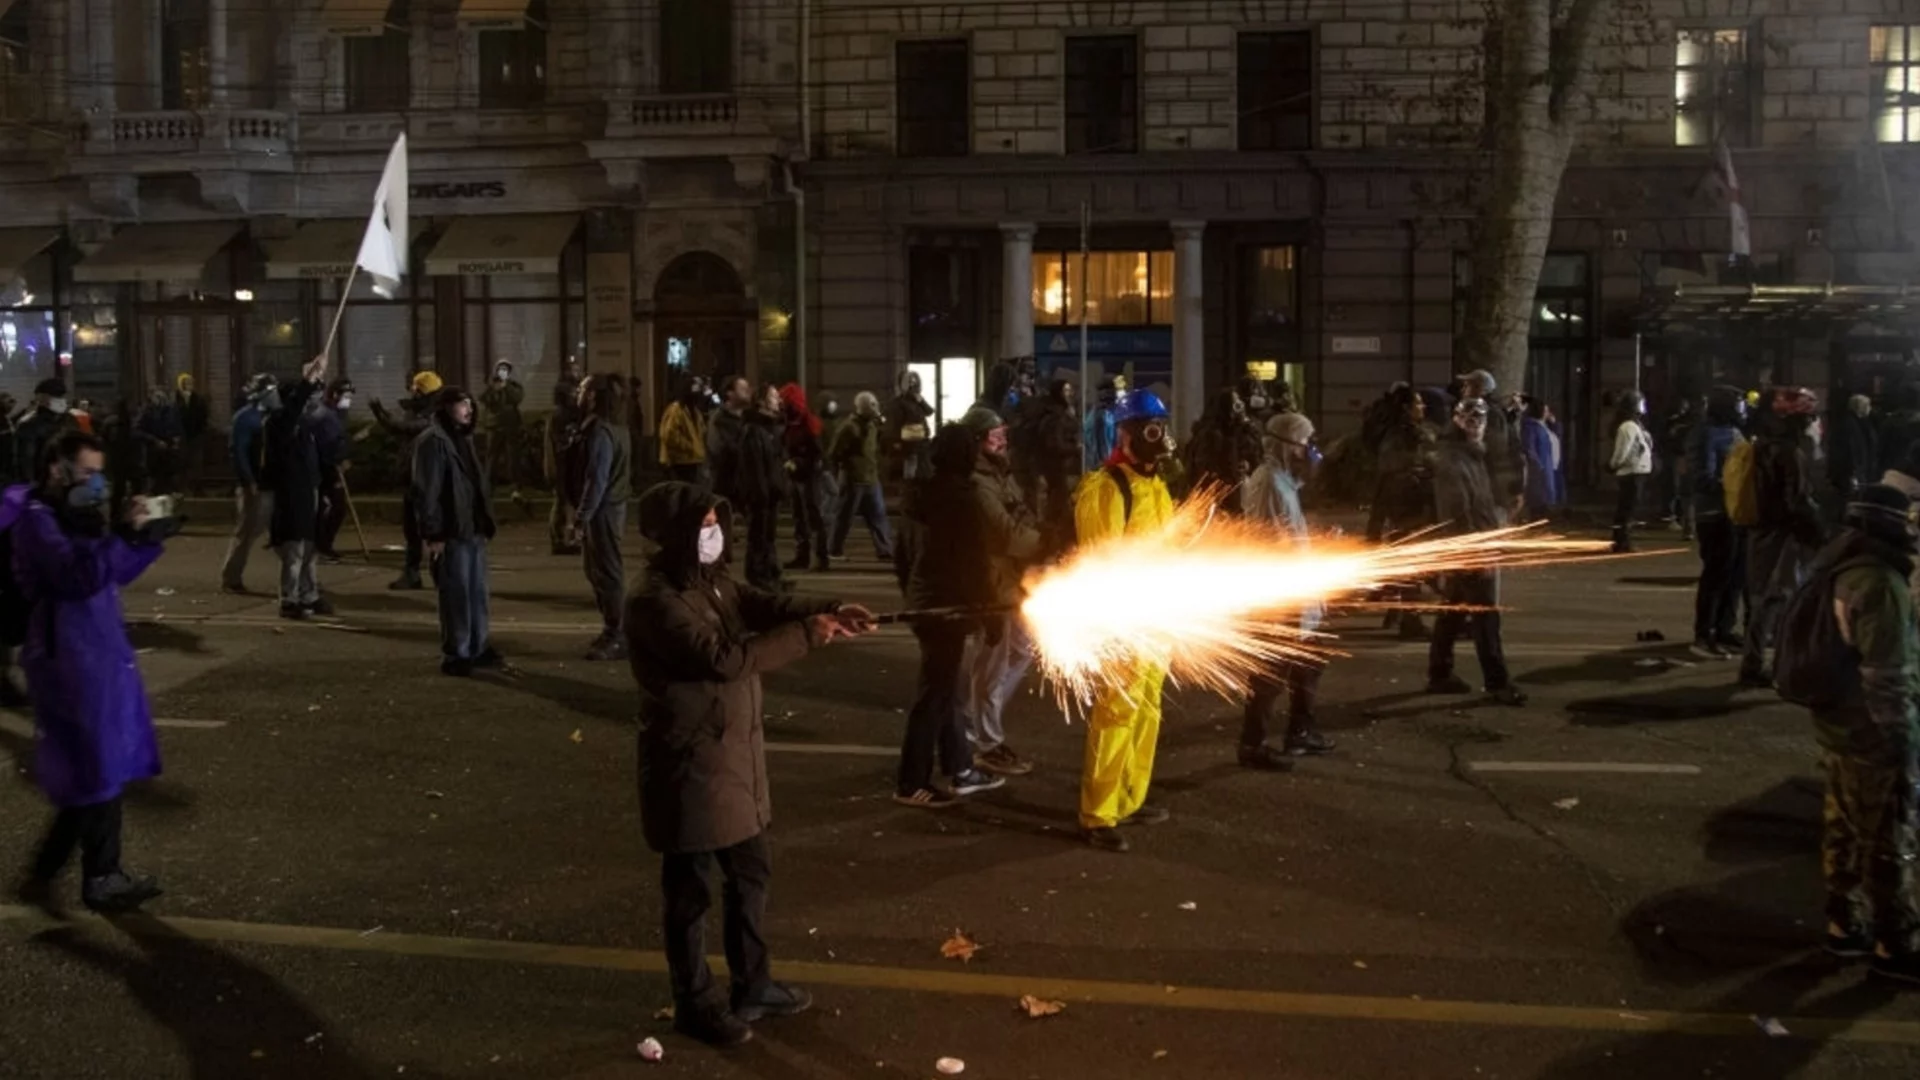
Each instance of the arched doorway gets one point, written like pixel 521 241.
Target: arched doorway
pixel 701 316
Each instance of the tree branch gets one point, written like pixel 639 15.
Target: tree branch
pixel 1571 62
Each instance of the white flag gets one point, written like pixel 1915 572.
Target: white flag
pixel 1741 233
pixel 383 251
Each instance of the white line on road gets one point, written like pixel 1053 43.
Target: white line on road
pixel 1583 767
pixel 832 748
pixel 14 725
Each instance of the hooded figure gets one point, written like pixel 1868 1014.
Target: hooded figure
pixel 1722 556
pixel 93 725
pixel 1789 530
pixel 805 467
pixel 50 416
pixel 1225 447
pixel 698 643
pixel 683 432
pixel 855 453
pixel 296 471
pixel 1045 439
pixel 910 426
pixel 416 413
pixel 451 497
pixel 599 480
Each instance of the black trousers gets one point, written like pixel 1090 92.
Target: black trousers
pixel 1624 506
pixel 763 551
pixel 95 830
pixel 1723 560
pixel 746 868
pixel 1477 590
pixel 333 514
pixel 410 529
pixel 936 724
pixel 1296 682
pixel 809 524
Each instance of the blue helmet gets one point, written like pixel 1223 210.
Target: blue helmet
pixel 1140 405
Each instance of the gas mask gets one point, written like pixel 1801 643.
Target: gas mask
pixel 1256 403
pixel 1148 444
pixel 270 400
pixel 713 541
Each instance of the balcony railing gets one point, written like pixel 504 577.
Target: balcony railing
pixel 666 116
pixel 172 131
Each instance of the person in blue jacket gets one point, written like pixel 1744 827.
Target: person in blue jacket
pixel 252 503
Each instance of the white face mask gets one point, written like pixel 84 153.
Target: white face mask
pixel 58 405
pixel 713 540
pixel 502 373
pixel 346 403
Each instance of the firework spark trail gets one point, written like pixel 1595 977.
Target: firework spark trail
pixel 1217 600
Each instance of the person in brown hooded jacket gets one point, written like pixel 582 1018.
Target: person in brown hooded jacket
pixel 698 643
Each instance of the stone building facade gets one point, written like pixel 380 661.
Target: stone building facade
pixel 1287 189
pixel 1275 187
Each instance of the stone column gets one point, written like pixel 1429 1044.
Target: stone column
pixel 1016 289
pixel 217 53
pixel 1189 329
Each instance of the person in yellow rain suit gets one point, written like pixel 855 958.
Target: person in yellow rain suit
pixel 1126 495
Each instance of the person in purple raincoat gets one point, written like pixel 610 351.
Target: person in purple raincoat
pixel 94 731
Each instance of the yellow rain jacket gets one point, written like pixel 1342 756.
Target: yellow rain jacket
pixel 1124 725
pixel 683 436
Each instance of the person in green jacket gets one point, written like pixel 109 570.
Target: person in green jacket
pixel 856 452
pixel 1868 739
pixel 501 425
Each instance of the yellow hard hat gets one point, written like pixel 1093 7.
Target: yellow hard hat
pixel 426 382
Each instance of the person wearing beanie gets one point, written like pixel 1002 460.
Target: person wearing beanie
pixel 1000 657
pixel 1466 501
pixel 451 498
pixel 49 418
pixel 1271 496
pixel 1866 669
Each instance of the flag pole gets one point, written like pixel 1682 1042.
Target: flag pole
pixel 345 291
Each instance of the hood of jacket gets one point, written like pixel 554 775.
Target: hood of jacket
pixel 799 417
pixel 671 515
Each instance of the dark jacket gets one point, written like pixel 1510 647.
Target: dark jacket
pixel 1876 721
pixel 698 643
pixel 416 413
pixel 723 451
pixel 1853 452
pixel 761 478
pixel 450 494
pixel 1899 433
pixel 293 467
pixel 32 437
pixel 1708 446
pixel 1404 458
pixel 1463 493
pixel 1225 448
pixel 192 410
pixel 246 446
pixel 1506 458
pixel 1783 483
pixel 329 442
pixel 1046 440
pixel 969 544
pixel 856 448
pixel 600 468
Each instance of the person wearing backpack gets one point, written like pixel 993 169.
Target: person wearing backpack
pixel 1632 463
pixel 1722 555
pixel 1850 653
pixel 1787 529
pixel 1125 497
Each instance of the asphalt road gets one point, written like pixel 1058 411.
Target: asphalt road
pixel 377 871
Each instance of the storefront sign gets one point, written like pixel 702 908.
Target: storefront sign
pixel 1356 346
pixel 610 313
pixel 1106 342
pixel 428 190
pixel 496 266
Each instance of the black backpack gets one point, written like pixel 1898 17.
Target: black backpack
pixel 1813 666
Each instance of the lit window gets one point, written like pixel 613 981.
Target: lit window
pixel 1712 100
pixel 1120 288
pixel 1894 55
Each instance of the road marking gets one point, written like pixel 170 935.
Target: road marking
pixel 14 725
pixel 1583 767
pixel 1009 987
pixel 832 748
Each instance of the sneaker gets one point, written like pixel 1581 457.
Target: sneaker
pixel 116 893
pixel 1705 649
pixel 1904 967
pixel 608 649
pixel 1002 761
pixel 1451 684
pixel 38 893
pixel 973 782
pixel 489 659
pixel 836 554
pixel 775 999
pixel 926 799
pixel 322 607
pixel 715 1027
pixel 1848 943
pixel 1308 741
pixel 292 611
pixel 456 667
pixel 1264 758
pixel 406 581
pixel 1106 838
pixel 1148 814
pixel 1733 643
pixel 1507 695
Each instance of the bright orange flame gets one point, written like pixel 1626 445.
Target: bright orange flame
pixel 1217 599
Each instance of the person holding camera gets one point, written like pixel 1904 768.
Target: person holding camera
pixel 93 725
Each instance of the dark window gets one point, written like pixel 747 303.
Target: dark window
pixel 1276 91
pixel 1712 96
pixel 696 46
pixel 183 54
pixel 513 63
pixel 944 286
pixel 931 99
pixel 377 67
pixel 1103 95
pixel 19 93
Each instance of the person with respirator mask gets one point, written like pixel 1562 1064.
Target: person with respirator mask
pixel 698 642
pixel 295 469
pixel 1124 496
pixel 455 511
pixel 93 725
pixel 502 400
pixel 50 417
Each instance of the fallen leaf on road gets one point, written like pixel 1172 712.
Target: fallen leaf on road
pixel 959 947
pixel 163 591
pixel 436 794
pixel 950 1066
pixel 313 708
pixel 1361 964
pixel 1565 804
pixel 663 1014
pixel 576 736
pixel 1189 906
pixel 1036 1008
pixel 1158 1054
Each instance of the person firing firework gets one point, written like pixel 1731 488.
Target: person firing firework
pixel 1126 497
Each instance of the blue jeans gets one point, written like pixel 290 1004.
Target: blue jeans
pixel 872 506
pixel 993 677
pixel 463 599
